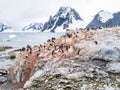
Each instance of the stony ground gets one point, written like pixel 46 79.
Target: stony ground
pixel 79 60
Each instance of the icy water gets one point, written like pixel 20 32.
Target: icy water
pixel 19 40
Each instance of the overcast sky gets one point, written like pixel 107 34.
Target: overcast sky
pixel 21 12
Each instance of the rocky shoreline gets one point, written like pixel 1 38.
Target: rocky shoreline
pixel 7 59
pixel 79 60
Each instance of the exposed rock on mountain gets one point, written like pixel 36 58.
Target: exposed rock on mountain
pixel 4 27
pixel 66 17
pixel 105 19
pixel 34 27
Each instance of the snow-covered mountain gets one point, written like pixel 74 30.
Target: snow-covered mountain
pixel 4 27
pixel 115 21
pixel 66 17
pixel 100 19
pixel 105 19
pixel 33 27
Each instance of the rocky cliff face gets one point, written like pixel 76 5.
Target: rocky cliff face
pixel 80 60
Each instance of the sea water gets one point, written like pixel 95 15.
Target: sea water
pixel 22 39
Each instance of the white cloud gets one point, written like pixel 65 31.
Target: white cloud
pixel 18 12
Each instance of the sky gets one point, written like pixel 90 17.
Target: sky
pixel 19 13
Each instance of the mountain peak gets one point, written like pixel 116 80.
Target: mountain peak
pixel 64 9
pixel 4 27
pixel 63 19
pixel 67 10
pixel 105 19
pixel 105 16
pixel 102 11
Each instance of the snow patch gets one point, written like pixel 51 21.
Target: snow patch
pixel 60 29
pixel 77 24
pixel 105 16
pixel 8 30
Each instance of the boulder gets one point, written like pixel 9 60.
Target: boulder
pixel 3 76
pixel 108 54
pixel 113 67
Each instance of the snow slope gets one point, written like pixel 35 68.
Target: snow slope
pixel 105 16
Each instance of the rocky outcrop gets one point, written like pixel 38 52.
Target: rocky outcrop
pixel 6 61
pixel 79 60
pixel 3 48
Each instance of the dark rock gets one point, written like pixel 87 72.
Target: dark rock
pixel 12 57
pixel 3 72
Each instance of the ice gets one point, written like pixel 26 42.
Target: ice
pixel 12 36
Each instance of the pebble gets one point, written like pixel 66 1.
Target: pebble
pixel 76 75
pixel 91 69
